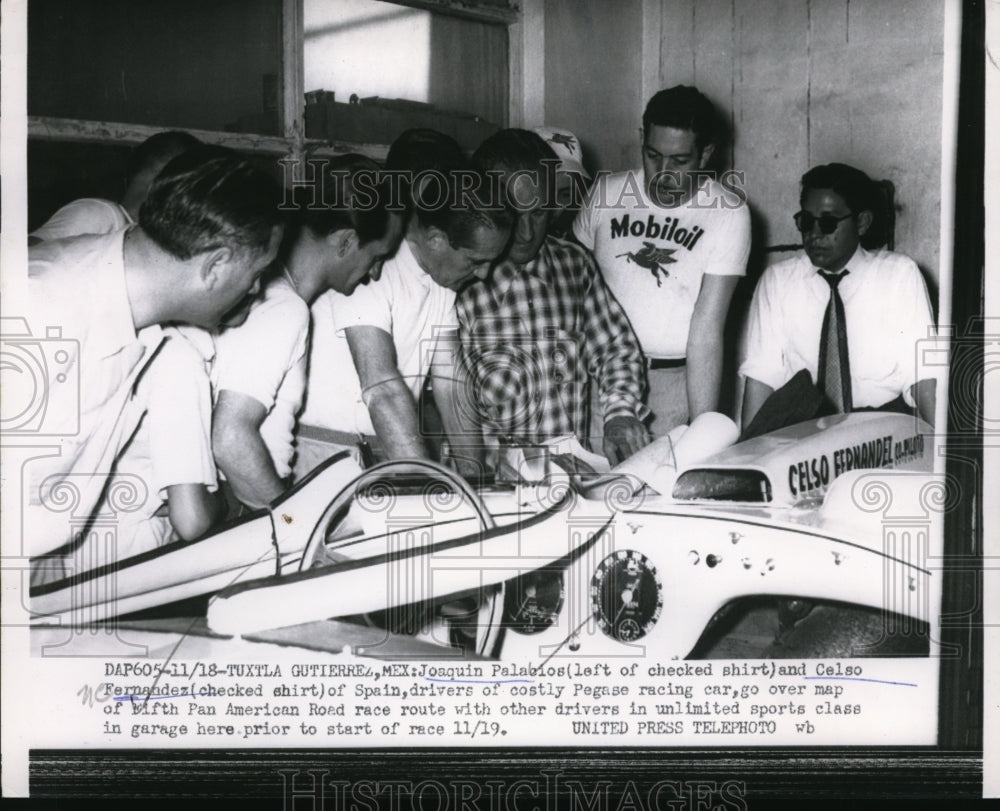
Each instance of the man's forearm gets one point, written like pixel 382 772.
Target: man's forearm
pixel 461 423
pixel 926 400
pixel 193 509
pixel 249 469
pixel 704 375
pixel 754 395
pixel 394 416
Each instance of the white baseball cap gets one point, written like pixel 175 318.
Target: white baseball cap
pixel 567 148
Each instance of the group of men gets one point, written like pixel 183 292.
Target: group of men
pixel 232 335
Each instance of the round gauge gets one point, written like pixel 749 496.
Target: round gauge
pixel 626 595
pixel 533 601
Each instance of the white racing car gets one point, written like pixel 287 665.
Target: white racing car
pixel 638 561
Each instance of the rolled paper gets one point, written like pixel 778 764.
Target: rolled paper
pixel 630 476
pixel 658 464
pixel 709 434
pixel 658 453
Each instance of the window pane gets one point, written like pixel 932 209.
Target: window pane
pixel 184 63
pixel 405 68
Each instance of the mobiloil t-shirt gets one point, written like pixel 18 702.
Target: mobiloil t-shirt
pixel 653 258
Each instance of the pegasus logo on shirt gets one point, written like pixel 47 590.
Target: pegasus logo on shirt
pixel 653 259
pixel 563 139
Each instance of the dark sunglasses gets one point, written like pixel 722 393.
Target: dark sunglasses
pixel 805 221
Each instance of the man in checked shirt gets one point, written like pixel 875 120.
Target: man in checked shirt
pixel 543 324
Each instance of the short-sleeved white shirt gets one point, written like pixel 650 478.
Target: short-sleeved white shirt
pixel 887 310
pixel 81 328
pixel 172 446
pixel 88 215
pixel 654 258
pixel 265 358
pixel 406 303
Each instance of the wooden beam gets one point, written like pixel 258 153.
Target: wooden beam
pixel 468 9
pixel 71 130
pixel 652 42
pixel 293 104
pixel 331 148
pixel 526 63
pixel 46 128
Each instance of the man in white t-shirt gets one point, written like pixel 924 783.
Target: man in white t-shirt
pixel 372 351
pixel 672 243
pixel 260 367
pixel 93 215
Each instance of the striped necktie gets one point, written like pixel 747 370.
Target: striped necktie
pixel 834 375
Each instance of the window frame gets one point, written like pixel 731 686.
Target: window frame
pixel 524 57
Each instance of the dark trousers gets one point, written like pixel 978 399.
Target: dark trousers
pixel 799 400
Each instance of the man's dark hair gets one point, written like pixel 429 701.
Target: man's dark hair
pixel 418 149
pixel 210 197
pixel 158 149
pixel 357 197
pixel 852 184
pixel 512 150
pixel 452 197
pixel 685 108
pixel 479 210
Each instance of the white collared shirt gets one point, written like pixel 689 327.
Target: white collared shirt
pixel 887 310
pixel 88 215
pixel 265 358
pixel 172 446
pixel 406 303
pixel 80 317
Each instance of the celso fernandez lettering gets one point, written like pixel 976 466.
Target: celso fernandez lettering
pixel 875 453
pixel 811 474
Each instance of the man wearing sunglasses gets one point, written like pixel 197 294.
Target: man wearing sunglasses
pixel 849 316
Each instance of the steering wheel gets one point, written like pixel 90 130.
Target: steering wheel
pixel 319 553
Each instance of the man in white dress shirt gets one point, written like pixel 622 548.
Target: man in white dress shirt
pixel 372 351
pixel 883 296
pixel 209 228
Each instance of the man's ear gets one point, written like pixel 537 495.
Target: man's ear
pixel 706 156
pixel 865 219
pixel 435 238
pixel 344 241
pixel 215 266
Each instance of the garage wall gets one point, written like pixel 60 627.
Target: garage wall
pixel 593 84
pixel 803 82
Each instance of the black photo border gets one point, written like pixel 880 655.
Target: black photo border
pixel 772 776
